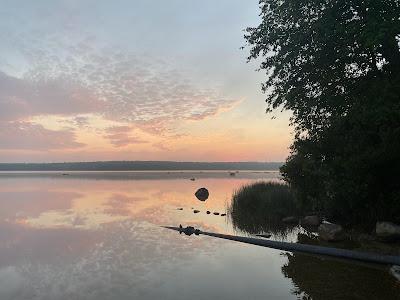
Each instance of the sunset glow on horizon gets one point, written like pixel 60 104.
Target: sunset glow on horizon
pixel 153 82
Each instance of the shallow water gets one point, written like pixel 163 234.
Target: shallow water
pixel 97 235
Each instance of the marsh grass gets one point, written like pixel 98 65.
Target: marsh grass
pixel 260 207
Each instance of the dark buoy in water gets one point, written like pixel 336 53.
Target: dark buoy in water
pixel 202 194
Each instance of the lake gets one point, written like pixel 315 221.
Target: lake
pixel 98 235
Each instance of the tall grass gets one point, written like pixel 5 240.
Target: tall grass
pixel 260 207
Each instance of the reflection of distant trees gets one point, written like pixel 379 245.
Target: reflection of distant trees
pixel 316 277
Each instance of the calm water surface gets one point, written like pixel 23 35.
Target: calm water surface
pixel 97 235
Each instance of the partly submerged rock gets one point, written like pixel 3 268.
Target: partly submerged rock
pixel 202 194
pixel 330 232
pixel 208 212
pixel 311 221
pixel 395 271
pixel 290 220
pixel 223 215
pixel 216 213
pixel 196 211
pixel 387 231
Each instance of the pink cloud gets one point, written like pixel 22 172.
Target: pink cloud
pixel 25 135
pixel 142 90
pixel 146 93
pixel 23 98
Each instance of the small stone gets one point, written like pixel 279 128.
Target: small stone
pixel 192 179
pixel 223 215
pixel 208 212
pixel 202 194
pixel 330 232
pixel 196 211
pixel 180 208
pixel 216 213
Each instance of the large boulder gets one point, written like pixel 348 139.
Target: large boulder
pixel 202 194
pixel 330 232
pixel 311 221
pixel 387 231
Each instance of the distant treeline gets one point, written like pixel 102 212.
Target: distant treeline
pixel 139 166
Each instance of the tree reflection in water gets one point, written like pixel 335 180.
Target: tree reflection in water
pixel 316 277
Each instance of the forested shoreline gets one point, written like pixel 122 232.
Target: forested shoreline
pixel 139 166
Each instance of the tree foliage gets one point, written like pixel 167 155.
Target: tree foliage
pixel 336 65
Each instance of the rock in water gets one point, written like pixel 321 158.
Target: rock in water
pixel 202 194
pixel 330 232
pixel 208 212
pixel 388 231
pixel 216 213
pixel 395 271
pixel 311 221
pixel 196 211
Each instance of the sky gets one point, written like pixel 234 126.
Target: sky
pixel 133 80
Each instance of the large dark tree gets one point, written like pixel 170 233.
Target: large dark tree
pixel 336 65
